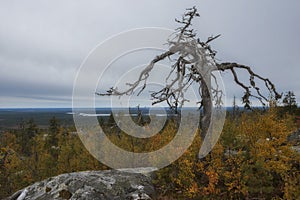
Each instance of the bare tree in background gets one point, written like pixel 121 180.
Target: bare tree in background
pixel 195 63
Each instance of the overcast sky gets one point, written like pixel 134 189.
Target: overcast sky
pixel 43 43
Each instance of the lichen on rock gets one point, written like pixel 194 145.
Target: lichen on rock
pixel 102 185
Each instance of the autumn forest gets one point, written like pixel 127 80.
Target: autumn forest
pixel 256 157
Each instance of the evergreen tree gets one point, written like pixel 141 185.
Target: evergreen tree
pixel 289 102
pixel 53 131
pixel 27 133
pixel 235 108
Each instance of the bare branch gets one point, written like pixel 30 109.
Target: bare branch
pixel 252 76
pixel 142 78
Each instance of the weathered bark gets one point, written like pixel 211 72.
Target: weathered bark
pixel 207 110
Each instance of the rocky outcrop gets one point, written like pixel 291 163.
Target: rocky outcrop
pixel 294 139
pixel 102 185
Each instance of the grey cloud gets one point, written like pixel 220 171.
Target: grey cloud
pixel 42 44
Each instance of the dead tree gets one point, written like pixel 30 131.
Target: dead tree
pixel 195 63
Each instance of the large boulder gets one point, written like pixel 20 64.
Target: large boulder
pixel 109 184
pixel 294 138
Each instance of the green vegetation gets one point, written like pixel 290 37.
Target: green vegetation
pixel 253 158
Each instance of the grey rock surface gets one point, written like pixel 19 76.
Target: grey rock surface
pixel 295 137
pixel 102 185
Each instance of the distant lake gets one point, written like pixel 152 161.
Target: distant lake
pixel 12 117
